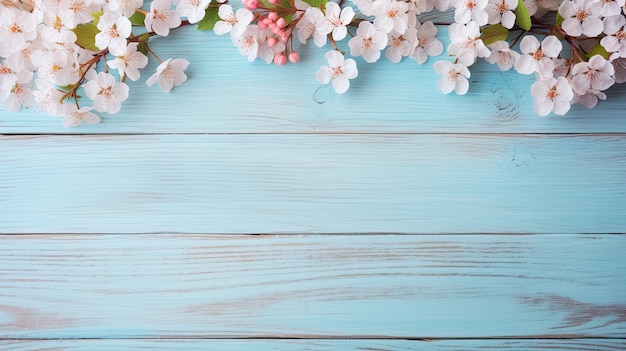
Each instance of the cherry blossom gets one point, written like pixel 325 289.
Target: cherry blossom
pixel 401 45
pixel 236 24
pixel 427 44
pixel 194 10
pixel 596 74
pixel 339 71
pixel 313 24
pixel 589 99
pixel 454 77
pixel 551 95
pixel 113 33
pixel 466 44
pixel 169 73
pixel 368 42
pixel 581 17
pixel 76 12
pixel 48 97
pixel 538 57
pixel 471 10
pixel 501 11
pixel 16 29
pixel 615 39
pixel 247 43
pixel 502 55
pixel 106 93
pixel 17 93
pixel 161 17
pixel 74 116
pixel 55 66
pixel 391 15
pixel 538 8
pixel 338 19
pixel 129 62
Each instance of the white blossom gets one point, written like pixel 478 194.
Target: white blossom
pixel 313 24
pixel 76 12
pixel 48 97
pixel 471 10
pixel 551 95
pixel 401 45
pixel 538 57
pixel 194 10
pixel 18 93
pixel 581 17
pixel 368 42
pixel 169 73
pixel 454 77
pixel 538 8
pixel 391 15
pixel 501 11
pixel 466 44
pixel 74 117
pixel 16 29
pixel 113 33
pixel 502 55
pixel 596 74
pixel 427 43
pixel 589 99
pixel 615 39
pixel 235 23
pixel 161 17
pixel 338 19
pixel 247 42
pixel 339 71
pixel 106 93
pixel 129 62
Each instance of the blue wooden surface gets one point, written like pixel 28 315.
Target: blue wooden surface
pixel 132 229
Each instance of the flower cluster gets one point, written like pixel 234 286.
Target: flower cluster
pixel 71 58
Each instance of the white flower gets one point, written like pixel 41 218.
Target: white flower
pixel 368 42
pixel 161 17
pixel 236 24
pixel 611 7
pixel 391 15
pixel 76 12
pixel 8 76
pixel 113 33
pixel 501 11
pixel 466 44
pixel 128 7
pixel 106 93
pixel 427 43
pixel 16 28
pixel 169 74
pixel 74 116
pixel 194 10
pixel 502 55
pixel 56 66
pixel 538 8
pixel 56 31
pixel 339 71
pixel 581 17
pixel 129 62
pixel 615 39
pixel 589 99
pixel 597 74
pixel 247 42
pixel 48 97
pixel 265 50
pixel 313 24
pixel 471 10
pixel 338 19
pixel 551 95
pixel 538 57
pixel 365 6
pixel 401 45
pixel 19 93
pixel 454 77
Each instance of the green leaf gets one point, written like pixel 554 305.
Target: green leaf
pixel 522 17
pixel 96 16
pixel 559 19
pixel 316 3
pixel 86 36
pixel 142 48
pixel 598 50
pixel 137 19
pixel 210 18
pixel 494 33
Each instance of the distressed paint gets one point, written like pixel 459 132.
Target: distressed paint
pixel 227 94
pixel 313 183
pixel 319 286
pixel 322 345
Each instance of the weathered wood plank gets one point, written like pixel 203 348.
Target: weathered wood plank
pixel 344 345
pixel 313 183
pixel 374 286
pixel 226 94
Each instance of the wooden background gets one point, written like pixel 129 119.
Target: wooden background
pixel 253 209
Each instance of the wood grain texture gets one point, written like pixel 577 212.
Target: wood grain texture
pixel 227 94
pixel 374 286
pixel 317 184
pixel 344 345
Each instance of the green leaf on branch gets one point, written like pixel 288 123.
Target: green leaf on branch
pixel 86 36
pixel 494 33
pixel 598 50
pixel 137 19
pixel 316 3
pixel 96 16
pixel 559 19
pixel 522 16
pixel 210 18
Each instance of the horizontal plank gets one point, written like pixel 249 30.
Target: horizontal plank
pixel 344 345
pixel 227 94
pixel 313 183
pixel 320 286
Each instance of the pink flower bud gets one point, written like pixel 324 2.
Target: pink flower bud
pixel 252 4
pixel 280 23
pixel 273 16
pixel 280 59
pixel 294 57
pixel 271 42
